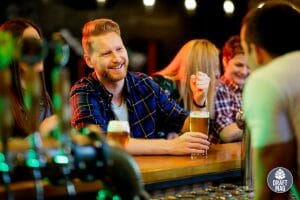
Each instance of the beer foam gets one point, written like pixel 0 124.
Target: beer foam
pixel 118 126
pixel 199 114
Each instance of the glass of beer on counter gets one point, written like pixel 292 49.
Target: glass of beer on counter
pixel 118 133
pixel 199 122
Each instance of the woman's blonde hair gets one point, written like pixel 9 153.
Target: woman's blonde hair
pixel 196 55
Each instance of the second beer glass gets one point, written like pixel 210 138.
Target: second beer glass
pixel 199 122
pixel 118 133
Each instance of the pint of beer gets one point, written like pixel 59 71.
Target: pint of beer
pixel 199 121
pixel 118 133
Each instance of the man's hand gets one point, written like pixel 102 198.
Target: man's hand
pixel 189 142
pixel 185 144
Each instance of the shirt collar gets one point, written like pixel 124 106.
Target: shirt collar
pixel 230 84
pixel 99 86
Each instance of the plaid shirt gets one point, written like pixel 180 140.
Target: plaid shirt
pixel 228 102
pixel 150 111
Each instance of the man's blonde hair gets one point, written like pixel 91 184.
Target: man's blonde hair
pixel 95 28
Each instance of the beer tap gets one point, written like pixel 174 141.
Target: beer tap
pixel 126 187
pixel 30 52
pixel 246 152
pixel 6 125
pixel 110 165
pixel 61 87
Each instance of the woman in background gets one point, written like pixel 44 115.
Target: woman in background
pixel 191 76
pixel 19 29
pixel 228 101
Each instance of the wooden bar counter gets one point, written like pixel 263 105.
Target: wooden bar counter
pixel 223 161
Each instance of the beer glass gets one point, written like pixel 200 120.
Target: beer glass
pixel 118 133
pixel 199 122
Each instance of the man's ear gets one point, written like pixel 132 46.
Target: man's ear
pixel 88 60
pixel 260 55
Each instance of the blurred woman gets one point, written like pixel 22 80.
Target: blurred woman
pixel 20 29
pixel 191 76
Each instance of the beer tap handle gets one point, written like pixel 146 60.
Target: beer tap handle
pixel 32 102
pixel 246 153
pixel 5 130
pixel 61 88
pixel 115 162
pixel 130 186
pixel 30 52
pixel 7 51
pixel 33 161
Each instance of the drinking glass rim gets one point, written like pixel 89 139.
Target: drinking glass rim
pixel 199 113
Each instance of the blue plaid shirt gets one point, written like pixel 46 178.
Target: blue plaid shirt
pixel 150 110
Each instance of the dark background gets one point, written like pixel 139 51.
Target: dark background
pixel 155 34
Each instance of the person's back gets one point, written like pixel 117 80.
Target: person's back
pixel 272 93
pixel 281 80
pixel 275 108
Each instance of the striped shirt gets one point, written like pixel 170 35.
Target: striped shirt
pixel 150 110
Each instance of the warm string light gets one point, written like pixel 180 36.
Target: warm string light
pixel 149 3
pixel 228 7
pixel 101 1
pixel 261 5
pixel 190 4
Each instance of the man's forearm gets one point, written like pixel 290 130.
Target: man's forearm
pixel 148 146
pixel 231 133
